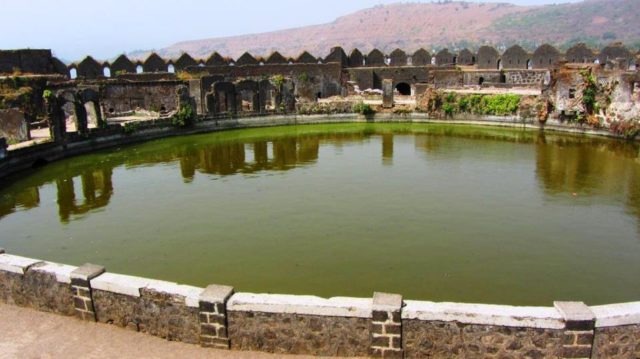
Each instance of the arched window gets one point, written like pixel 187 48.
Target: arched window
pixel 73 73
pixel 139 69
pixel 171 69
pixel 106 71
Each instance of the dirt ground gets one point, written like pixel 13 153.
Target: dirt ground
pixel 27 333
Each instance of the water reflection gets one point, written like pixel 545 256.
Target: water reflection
pixel 564 166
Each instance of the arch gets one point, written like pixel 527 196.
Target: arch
pixel 404 89
pixel 499 63
pixel 529 65
pixel 480 80
pixel 171 68
pixel 73 73
pixel 139 69
pixel 247 92
pixel 106 71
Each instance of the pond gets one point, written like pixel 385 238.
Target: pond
pixel 434 212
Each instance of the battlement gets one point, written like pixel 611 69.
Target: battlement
pixel 485 58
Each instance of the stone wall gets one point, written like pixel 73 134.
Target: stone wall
pixel 13 125
pixel 382 326
pixel 118 97
pixel 527 77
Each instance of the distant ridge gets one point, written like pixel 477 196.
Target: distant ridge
pixel 410 26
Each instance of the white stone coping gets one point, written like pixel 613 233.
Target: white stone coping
pixel 300 304
pixel 612 315
pixel 61 271
pixel 131 286
pixel 16 264
pixel 484 314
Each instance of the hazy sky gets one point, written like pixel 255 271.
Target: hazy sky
pixel 75 28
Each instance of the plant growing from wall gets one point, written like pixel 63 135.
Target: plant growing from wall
pixel 363 108
pixel 278 81
pixel 589 92
pixel 303 77
pixel 630 129
pixel 130 127
pixel 184 117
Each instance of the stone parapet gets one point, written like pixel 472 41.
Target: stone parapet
pixel 382 326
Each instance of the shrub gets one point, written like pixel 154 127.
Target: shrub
pixel 277 80
pixel 448 109
pixel 629 129
pixel 130 127
pixel 363 108
pixel 184 117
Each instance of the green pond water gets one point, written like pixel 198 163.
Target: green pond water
pixel 434 212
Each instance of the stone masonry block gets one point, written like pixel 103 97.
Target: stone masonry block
pixel 213 316
pixel 576 315
pixel 87 271
pixel 386 326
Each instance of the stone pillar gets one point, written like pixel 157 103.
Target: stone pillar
pixel 81 117
pixel 3 148
pixel 81 288
pixel 579 329
pixel 386 326
pixel 213 316
pixel 387 93
pixel 55 119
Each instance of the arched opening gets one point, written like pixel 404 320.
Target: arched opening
pixel 529 65
pixel 455 60
pixel 92 115
pixel 73 74
pixel 319 95
pixel 473 60
pixel 503 78
pixel 433 60
pixel 480 80
pixel 404 89
pixel 201 65
pixel 171 69
pixel 106 71
pixel 139 69
pixel 500 64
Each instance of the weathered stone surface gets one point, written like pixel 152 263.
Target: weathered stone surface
pixel 38 290
pixel 617 342
pixel 298 334
pixel 13 125
pixel 452 339
pixel 160 314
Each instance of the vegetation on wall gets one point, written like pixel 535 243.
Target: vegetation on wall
pixel 363 109
pixel 451 103
pixel 184 117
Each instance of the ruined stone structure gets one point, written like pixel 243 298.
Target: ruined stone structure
pixel 383 326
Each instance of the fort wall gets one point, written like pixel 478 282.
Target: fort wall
pixel 384 325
